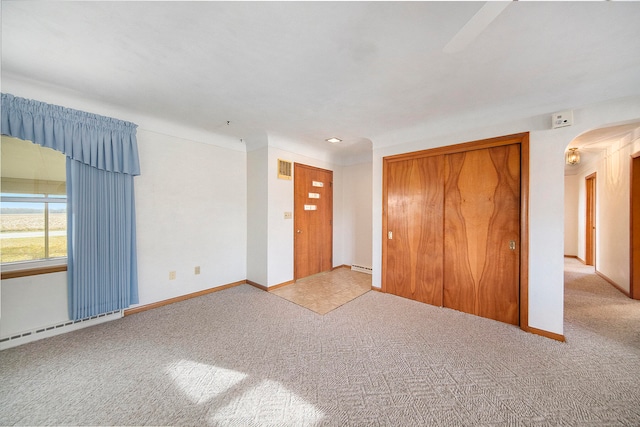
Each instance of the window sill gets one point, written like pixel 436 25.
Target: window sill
pixel 32 271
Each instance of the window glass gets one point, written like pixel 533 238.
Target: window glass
pixel 33 218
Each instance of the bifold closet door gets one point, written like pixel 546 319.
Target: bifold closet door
pixel 414 245
pixel 482 232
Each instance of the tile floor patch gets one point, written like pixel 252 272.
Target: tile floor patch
pixel 324 292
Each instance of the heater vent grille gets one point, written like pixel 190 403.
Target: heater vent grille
pixel 362 269
pixel 284 169
pixel 48 331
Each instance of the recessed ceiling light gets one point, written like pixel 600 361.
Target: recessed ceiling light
pixel 334 140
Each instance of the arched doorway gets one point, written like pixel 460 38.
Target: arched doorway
pixel 597 226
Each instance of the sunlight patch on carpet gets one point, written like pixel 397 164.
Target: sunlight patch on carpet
pixel 201 382
pixel 268 403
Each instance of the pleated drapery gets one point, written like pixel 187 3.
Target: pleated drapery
pixel 101 142
pixel 102 159
pixel 102 240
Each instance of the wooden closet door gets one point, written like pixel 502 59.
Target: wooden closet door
pixel 414 242
pixel 482 232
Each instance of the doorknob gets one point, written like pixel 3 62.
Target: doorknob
pixel 298 231
pixel 512 245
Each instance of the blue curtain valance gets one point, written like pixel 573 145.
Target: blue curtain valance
pixel 101 142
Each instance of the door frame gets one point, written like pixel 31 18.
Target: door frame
pixel 523 140
pixel 590 182
pixel 634 225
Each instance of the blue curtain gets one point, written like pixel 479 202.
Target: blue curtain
pixel 102 159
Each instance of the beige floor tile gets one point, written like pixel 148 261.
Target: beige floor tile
pixel 325 292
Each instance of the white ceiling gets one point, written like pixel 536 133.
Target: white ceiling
pixel 312 70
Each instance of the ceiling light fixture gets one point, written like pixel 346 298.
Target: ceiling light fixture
pixel 333 140
pixel 573 157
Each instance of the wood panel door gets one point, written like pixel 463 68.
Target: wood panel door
pixel 482 232
pixel 313 220
pixel 590 223
pixel 414 203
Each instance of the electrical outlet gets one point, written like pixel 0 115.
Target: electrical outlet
pixel 172 275
pixel 197 270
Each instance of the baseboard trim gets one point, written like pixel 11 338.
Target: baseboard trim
pixel 373 288
pixel 280 285
pixel 257 285
pixel 614 284
pixel 543 333
pixel 571 256
pixel 153 305
pixel 581 260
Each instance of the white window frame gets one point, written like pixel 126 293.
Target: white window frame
pixel 42 262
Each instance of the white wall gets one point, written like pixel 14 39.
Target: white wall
pixel 280 230
pixel 33 302
pixel 257 220
pixel 571 215
pixel 546 191
pixel 191 203
pixel 191 209
pixel 201 200
pixel 271 236
pixel 613 185
pixel 357 199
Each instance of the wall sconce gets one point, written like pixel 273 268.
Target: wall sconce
pixel 573 157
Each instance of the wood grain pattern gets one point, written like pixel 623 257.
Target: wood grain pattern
pixel 482 217
pixel 508 180
pixel 414 212
pixel 313 229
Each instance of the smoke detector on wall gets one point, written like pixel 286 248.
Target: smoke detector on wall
pixel 562 119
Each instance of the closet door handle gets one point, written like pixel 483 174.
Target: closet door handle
pixel 390 235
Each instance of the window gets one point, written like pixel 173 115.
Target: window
pixel 33 204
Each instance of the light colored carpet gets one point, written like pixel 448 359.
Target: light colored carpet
pixel 327 291
pixel 245 357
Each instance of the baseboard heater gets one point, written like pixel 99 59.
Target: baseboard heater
pixel 361 269
pixel 60 328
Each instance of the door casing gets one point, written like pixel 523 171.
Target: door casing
pixel 590 220
pixel 634 274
